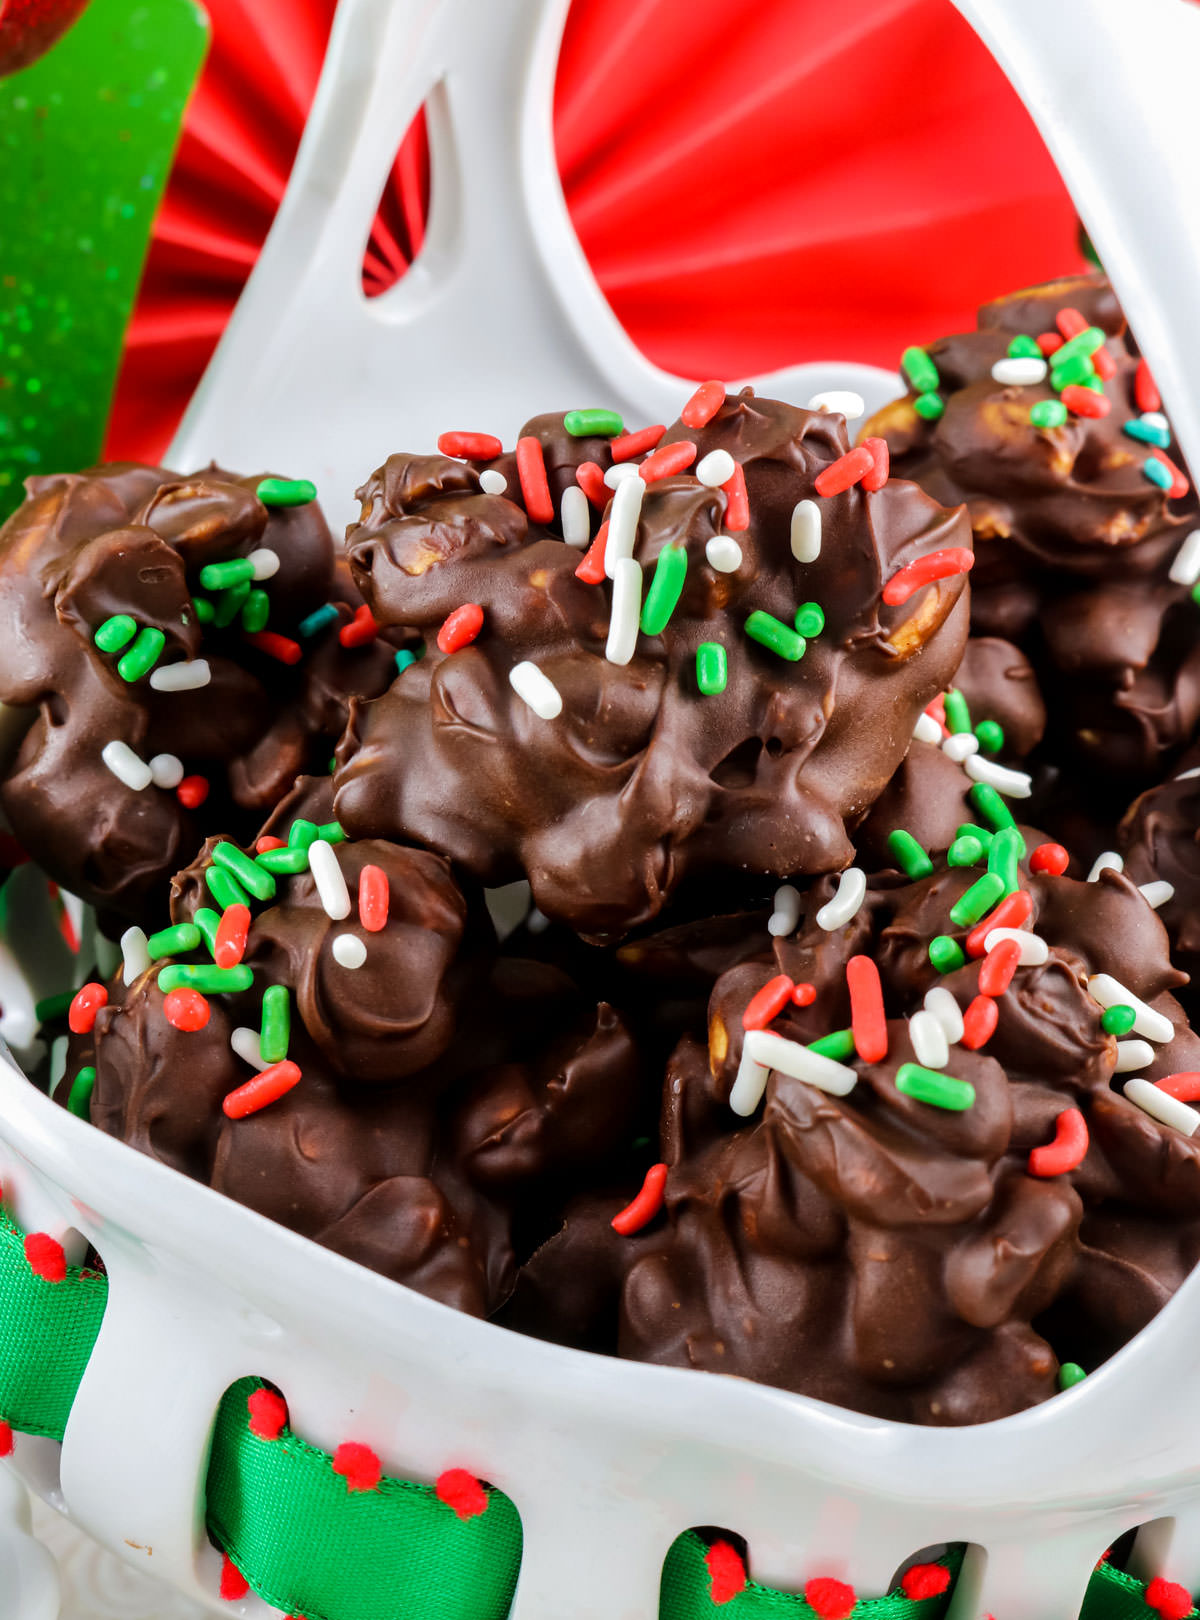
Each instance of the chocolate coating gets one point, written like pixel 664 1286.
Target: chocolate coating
pixel 1158 838
pixel 642 785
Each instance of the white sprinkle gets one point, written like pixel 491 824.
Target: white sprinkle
pixel 626 611
pixel 575 516
pixel 1160 1105
pixel 1157 894
pixel 1034 950
pixel 1110 861
pixel 960 746
pixel 715 469
pixel 1110 992
pixel 1186 776
pixel 851 892
pixel 724 554
pixel 928 1038
pixel 537 689
pixel 59 1048
pixel 537 921
pixel 806 531
pixel 1020 371
pixel 623 518
pixel 842 400
pixel 800 1062
pixel 166 770
pixel 134 955
pixel 184 677
pixel 327 875
pixel 786 915
pixel 1016 784
pixel 1156 419
pixel 266 563
pixel 749 1086
pixel 942 1004
pixel 247 1043
pixel 620 472
pixel 1133 1055
pixel 493 482
pixel 1185 570
pixel 348 950
pixel 927 729
pixel 126 766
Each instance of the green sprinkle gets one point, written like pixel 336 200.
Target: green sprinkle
pixel 286 491
pixel 1148 432
pixel 403 659
pixel 965 851
pixel 838 1045
pixel 1085 343
pixel 910 857
pixel 712 668
pixel 593 424
pixel 968 829
pixel 53 1007
pixel 1077 368
pixel 958 716
pixel 1024 347
pixel 256 610
pixel 991 736
pixel 946 954
pixel 217 576
pixel 1007 848
pixel 202 976
pixel 276 1023
pixel 810 619
pixel 225 888
pixel 248 873
pixel 283 862
pixel 920 370
pixel 978 900
pixel 929 406
pixel 115 633
pixel 990 805
pixel 81 1092
pixel 175 941
pixel 143 655
pixel 229 604
pixel 666 587
pixel 207 921
pixel 1118 1019
pixel 938 1090
pixel 1048 413
pixel 1196 592
pixel 302 833
pixel 332 832
pixel 1070 1374
pixel 770 632
pixel 317 620
pixel 204 610
pixel 1156 472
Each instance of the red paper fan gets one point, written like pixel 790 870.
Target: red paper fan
pixel 800 181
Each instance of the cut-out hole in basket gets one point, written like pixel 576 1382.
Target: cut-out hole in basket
pixel 398 229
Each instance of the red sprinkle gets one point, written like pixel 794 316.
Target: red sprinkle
pixel 1067 1150
pixel 86 1003
pixel 1085 401
pixel 460 1490
pixel 979 1022
pixel 591 569
pixel 268 1414
pixel 645 1206
pixel 846 471
pixel 1104 365
pixel 882 461
pixel 460 627
pixel 804 995
pixel 665 463
pixel 1168 1599
pixel 726 1573
pixel 6 1439
pixel 46 1257
pixel 997 968
pixel 1070 322
pixel 1185 1085
pixel 934 565
pixel 1049 342
pixel 185 1009
pixel 470 446
pixel 1145 389
pixel 1014 911
pixel 867 1018
pixel 767 1004
pixel 924 1581
pixel 230 944
pixel 192 792
pixel 1179 484
pixel 703 405
pixel 590 479
pixel 373 898
pixel 938 709
pixel 266 842
pixel 358 1465
pixel 531 470
pixel 281 648
pixel 362 629
pixel 737 502
pixel 627 445
pixel 1051 858
pixel 830 1599
pixel 234 1584
pixel 265 1088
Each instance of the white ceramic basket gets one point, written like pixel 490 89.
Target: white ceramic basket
pixel 606 1461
